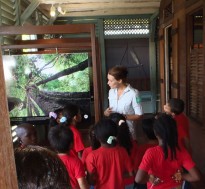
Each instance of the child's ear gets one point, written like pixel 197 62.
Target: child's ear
pixel 19 141
pixel 75 117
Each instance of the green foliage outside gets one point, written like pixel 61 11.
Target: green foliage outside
pixel 30 69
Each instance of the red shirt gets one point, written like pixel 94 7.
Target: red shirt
pixel 154 163
pixel 133 153
pixel 109 164
pixel 78 142
pixel 141 151
pixel 75 169
pixel 182 128
pixel 86 151
pixel 183 123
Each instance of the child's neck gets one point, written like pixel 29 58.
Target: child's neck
pixel 106 145
pixel 152 141
pixel 73 123
pixel 61 154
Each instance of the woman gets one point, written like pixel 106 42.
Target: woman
pixel 123 98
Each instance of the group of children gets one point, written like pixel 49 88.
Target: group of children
pixel 114 160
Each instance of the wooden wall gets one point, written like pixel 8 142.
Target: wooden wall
pixel 8 177
pixel 175 13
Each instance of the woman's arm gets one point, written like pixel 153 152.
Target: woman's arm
pixel 133 117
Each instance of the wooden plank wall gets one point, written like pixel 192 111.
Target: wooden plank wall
pixel 8 177
pixel 180 43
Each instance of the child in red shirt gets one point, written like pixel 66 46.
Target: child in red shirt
pixel 164 160
pixel 55 117
pixel 71 117
pixel 26 135
pixel 107 166
pixel 151 141
pixel 61 139
pixel 125 140
pixel 175 108
pixel 39 167
pixel 94 144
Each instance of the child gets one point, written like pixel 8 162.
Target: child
pixel 151 141
pixel 125 140
pixel 175 108
pixel 107 165
pixel 61 139
pixel 164 160
pixel 71 116
pixel 38 167
pixel 55 117
pixel 26 134
pixel 94 144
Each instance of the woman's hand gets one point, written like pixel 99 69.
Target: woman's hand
pixel 108 111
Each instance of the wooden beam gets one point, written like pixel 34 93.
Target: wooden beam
pixel 51 51
pixel 108 12
pixel 93 1
pixel 55 29
pixel 8 178
pixel 78 43
pixel 28 11
pixel 110 5
pixel 96 78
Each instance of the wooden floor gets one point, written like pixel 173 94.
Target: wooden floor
pixel 197 134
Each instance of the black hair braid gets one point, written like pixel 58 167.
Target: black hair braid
pixel 165 128
pixel 124 137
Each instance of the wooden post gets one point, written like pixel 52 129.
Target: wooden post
pixel 8 177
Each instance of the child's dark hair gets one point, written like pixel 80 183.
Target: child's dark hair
pixel 60 138
pixel 176 105
pixel 124 136
pixel 105 129
pixel 53 120
pixel 69 111
pixel 95 144
pixel 116 117
pixel 165 128
pixel 147 127
pixel 38 167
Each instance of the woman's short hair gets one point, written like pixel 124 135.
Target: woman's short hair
pixel 119 72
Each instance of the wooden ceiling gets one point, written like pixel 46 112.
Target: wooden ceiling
pixel 76 8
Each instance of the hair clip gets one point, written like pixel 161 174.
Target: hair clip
pixel 63 119
pixel 110 139
pixel 120 122
pixel 53 114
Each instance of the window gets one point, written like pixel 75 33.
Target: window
pixel 139 26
